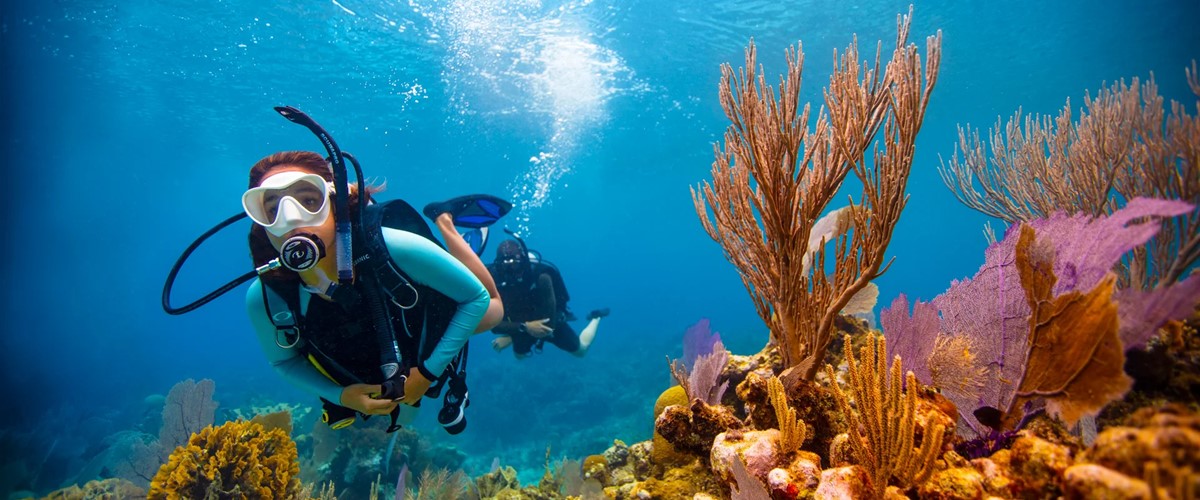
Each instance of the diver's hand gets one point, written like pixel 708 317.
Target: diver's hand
pixel 414 387
pixel 539 328
pixel 361 398
pixel 501 343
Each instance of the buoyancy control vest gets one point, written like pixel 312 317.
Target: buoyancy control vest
pixel 340 338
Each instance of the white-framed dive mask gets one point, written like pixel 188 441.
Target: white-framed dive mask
pixel 288 200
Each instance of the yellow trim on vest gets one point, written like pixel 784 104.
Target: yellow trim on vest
pixel 321 369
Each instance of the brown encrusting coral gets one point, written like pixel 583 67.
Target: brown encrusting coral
pixel 775 177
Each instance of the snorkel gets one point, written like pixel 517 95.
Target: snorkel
pixel 341 194
pixel 343 292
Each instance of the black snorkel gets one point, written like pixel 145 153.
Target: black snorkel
pixel 341 194
pixel 343 292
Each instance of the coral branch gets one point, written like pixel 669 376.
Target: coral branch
pixel 882 429
pixel 774 177
pixel 1121 147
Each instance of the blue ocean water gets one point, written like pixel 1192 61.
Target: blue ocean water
pixel 130 126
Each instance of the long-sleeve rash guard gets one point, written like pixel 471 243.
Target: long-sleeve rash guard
pixel 421 260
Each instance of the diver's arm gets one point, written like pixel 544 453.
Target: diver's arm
pixel 507 327
pixel 288 362
pixel 428 264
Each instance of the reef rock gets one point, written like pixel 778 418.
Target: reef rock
pixel 1035 465
pixel 958 483
pixel 815 404
pixel 1099 482
pixel 759 450
pixel 845 483
pixel 692 428
pixel 108 488
pixel 1167 439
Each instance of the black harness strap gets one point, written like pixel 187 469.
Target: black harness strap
pixel 284 315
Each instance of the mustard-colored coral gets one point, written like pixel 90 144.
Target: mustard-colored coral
pixel 663 452
pixel 239 460
pixel 882 428
pixel 594 467
pixel 792 431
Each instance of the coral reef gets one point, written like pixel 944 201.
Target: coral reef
pixel 815 405
pixel 693 428
pixel 108 489
pixel 1122 147
pixel 239 459
pixel 884 430
pixel 774 178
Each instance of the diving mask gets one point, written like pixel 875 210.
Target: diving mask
pixel 288 200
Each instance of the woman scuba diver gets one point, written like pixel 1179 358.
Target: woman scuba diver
pixel 355 301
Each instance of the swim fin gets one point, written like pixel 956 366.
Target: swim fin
pixel 470 211
pixel 476 238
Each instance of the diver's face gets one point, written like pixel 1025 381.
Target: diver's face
pixel 509 265
pixel 325 230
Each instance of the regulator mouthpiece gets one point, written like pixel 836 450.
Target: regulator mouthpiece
pixel 301 252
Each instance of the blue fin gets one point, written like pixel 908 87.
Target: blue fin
pixel 471 211
pixel 477 238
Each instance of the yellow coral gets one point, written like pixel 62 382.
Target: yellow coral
pixel 594 466
pixel 238 459
pixel 662 451
pixel 882 428
pixel 792 431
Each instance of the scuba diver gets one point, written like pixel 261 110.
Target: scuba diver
pixel 535 304
pixel 357 302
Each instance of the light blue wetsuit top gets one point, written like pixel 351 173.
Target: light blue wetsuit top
pixel 425 263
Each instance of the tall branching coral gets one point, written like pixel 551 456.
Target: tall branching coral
pixel 1121 147
pixel 774 178
pixel 882 429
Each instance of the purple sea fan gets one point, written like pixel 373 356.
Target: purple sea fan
pixel 698 340
pixel 702 381
pixel 1142 313
pixel 1087 248
pixel 991 309
pixel 911 337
